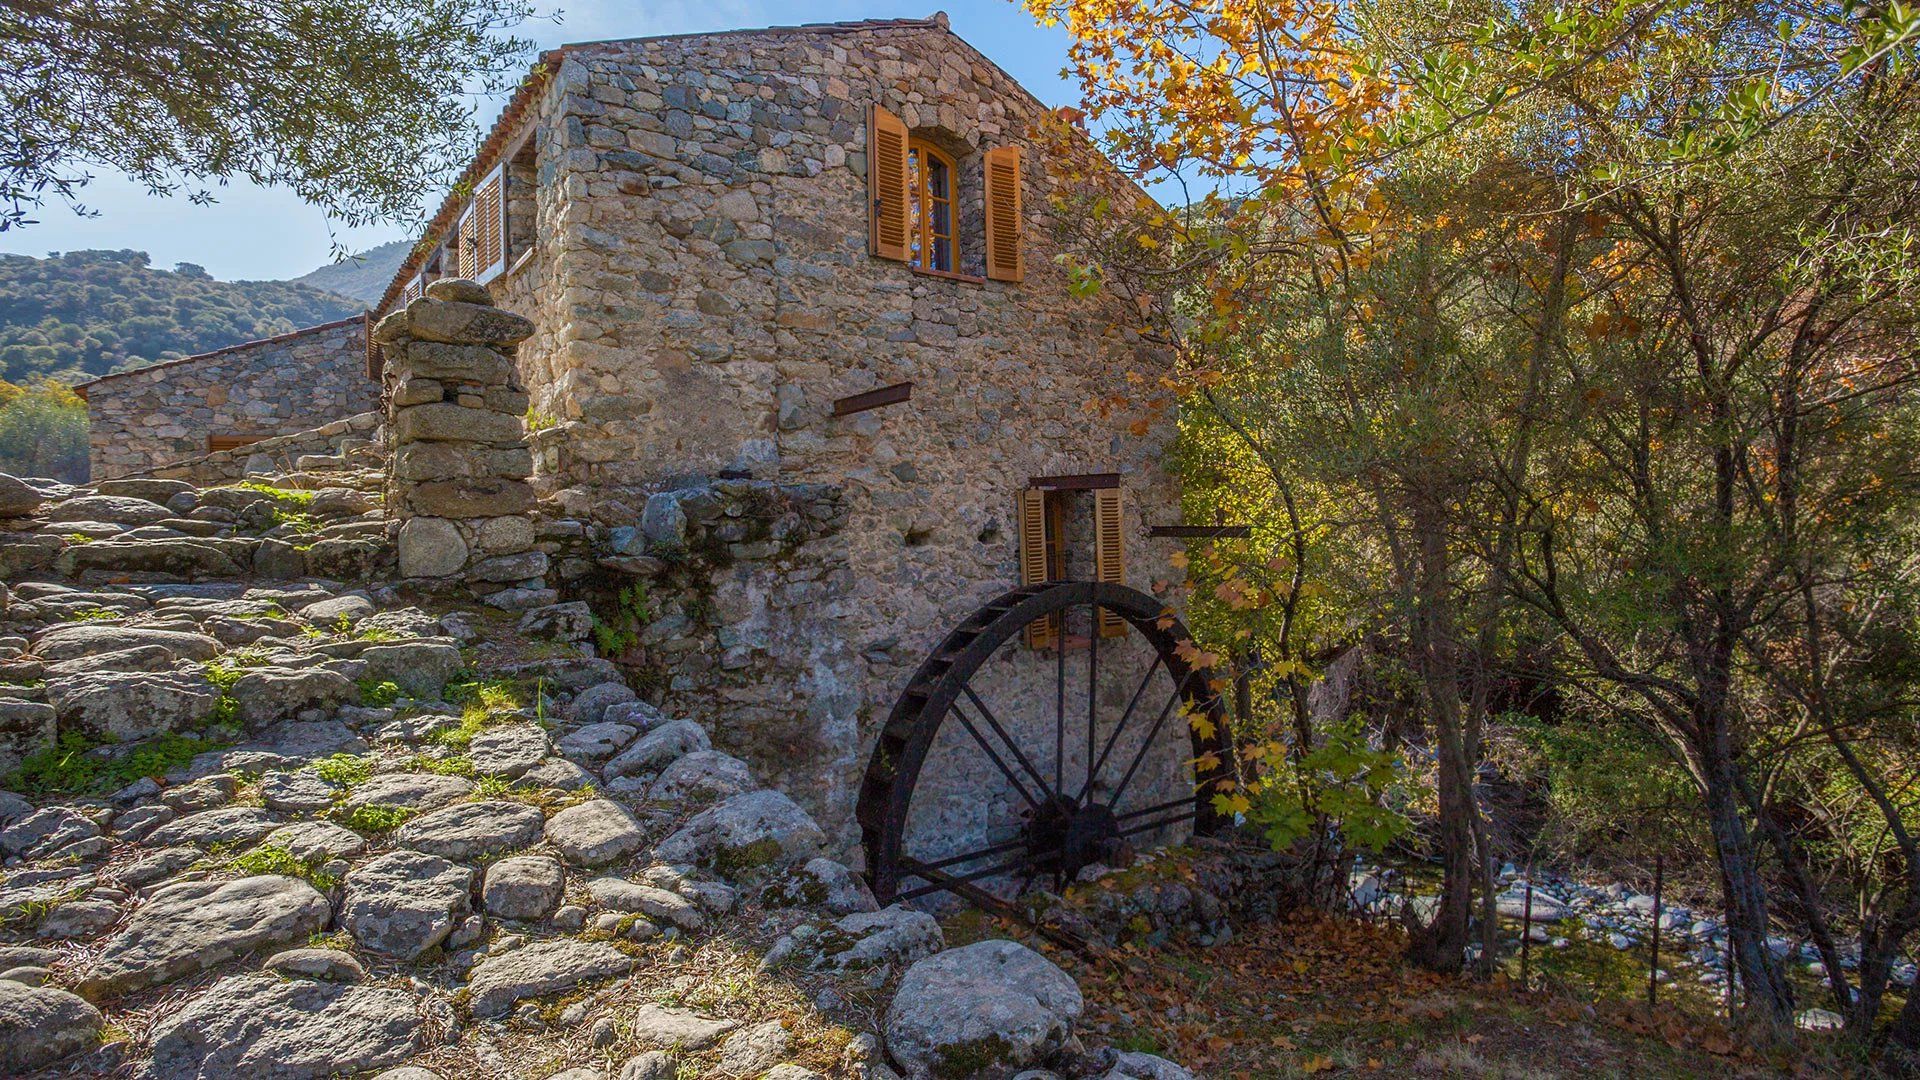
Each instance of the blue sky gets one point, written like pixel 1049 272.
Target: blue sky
pixel 254 232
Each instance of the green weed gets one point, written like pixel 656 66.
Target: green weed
pixel 376 819
pixel 67 768
pixel 274 859
pixel 344 770
pixel 378 694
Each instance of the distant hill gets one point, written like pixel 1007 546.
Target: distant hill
pixel 79 314
pixel 363 276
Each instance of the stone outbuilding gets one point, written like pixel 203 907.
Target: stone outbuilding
pixel 150 417
pixel 807 369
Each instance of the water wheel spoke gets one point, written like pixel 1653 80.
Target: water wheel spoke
pixel 1160 823
pixel 991 721
pixel 956 860
pixel 995 758
pixel 1093 693
pixel 912 868
pixel 1119 726
pixel 1162 808
pixel 1146 744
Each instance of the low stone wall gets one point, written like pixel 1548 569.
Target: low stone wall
pixel 159 415
pixel 281 454
pixel 456 429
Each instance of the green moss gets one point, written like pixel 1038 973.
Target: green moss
pixel 732 861
pixel 378 693
pixel 67 768
pixel 274 859
pixel 962 1060
pixel 290 496
pixel 94 614
pixel 376 819
pixel 344 770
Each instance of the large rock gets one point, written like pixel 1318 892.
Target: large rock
pixel 655 903
pixel 421 668
pixel 508 750
pixel 405 902
pixel 595 743
pixel 455 363
pixel 594 833
pixel 590 706
pixel 431 547
pixel 523 887
pixel 16 498
pixel 190 926
pixel 1129 1065
pixel 225 825
pixel 26 728
pixel 819 883
pixel 464 324
pixel 990 1004
pixel 746 836
pixel 467 831
pixel 45 831
pixel 128 705
pixel 543 968
pixel 447 422
pixel 39 1025
pixel 665 1026
pixel 413 791
pixel 185 558
pixel 263 1028
pixel 116 509
pixel 76 640
pixel 659 748
pixel 893 936
pixel 752 1051
pixel 703 776
pixel 270 694
pixel 316 841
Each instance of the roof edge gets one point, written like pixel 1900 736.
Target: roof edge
pixel 81 388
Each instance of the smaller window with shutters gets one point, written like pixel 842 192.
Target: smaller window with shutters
pixel 483 230
pixel 1049 520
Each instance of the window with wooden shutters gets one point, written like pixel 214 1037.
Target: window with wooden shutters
pixel 887 188
pixel 1037 559
pixel 414 290
pixel 487 219
pixel 1109 551
pixel 1002 179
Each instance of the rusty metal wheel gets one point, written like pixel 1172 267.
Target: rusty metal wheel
pixel 1002 764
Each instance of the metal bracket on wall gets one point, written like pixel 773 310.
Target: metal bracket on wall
pixel 873 399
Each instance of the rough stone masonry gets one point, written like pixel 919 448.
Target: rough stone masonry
pixel 460 460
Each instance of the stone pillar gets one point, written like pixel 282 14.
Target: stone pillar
pixel 456 416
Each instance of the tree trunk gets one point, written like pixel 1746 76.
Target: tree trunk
pixel 1765 989
pixel 1441 946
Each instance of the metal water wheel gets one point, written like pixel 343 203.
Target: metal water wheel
pixel 1069 777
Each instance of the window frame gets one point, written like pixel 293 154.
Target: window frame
pixel 919 208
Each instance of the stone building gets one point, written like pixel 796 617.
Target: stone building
pixel 804 364
pixel 151 417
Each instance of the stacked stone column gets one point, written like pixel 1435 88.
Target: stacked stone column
pixel 456 410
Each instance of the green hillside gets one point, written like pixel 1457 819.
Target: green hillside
pixel 363 276
pixel 79 314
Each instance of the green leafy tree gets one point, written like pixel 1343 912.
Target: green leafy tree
pixel 43 432
pixel 359 107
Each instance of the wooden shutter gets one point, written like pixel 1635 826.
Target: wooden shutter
pixel 1004 260
pixel 490 227
pixel 1033 560
pixel 1109 551
pixel 466 254
pixel 413 290
pixel 886 184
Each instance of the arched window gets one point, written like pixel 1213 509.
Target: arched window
pixel 930 176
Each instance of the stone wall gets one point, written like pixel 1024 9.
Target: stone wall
pixel 458 474
pixel 702 294
pixel 154 416
pixel 280 454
